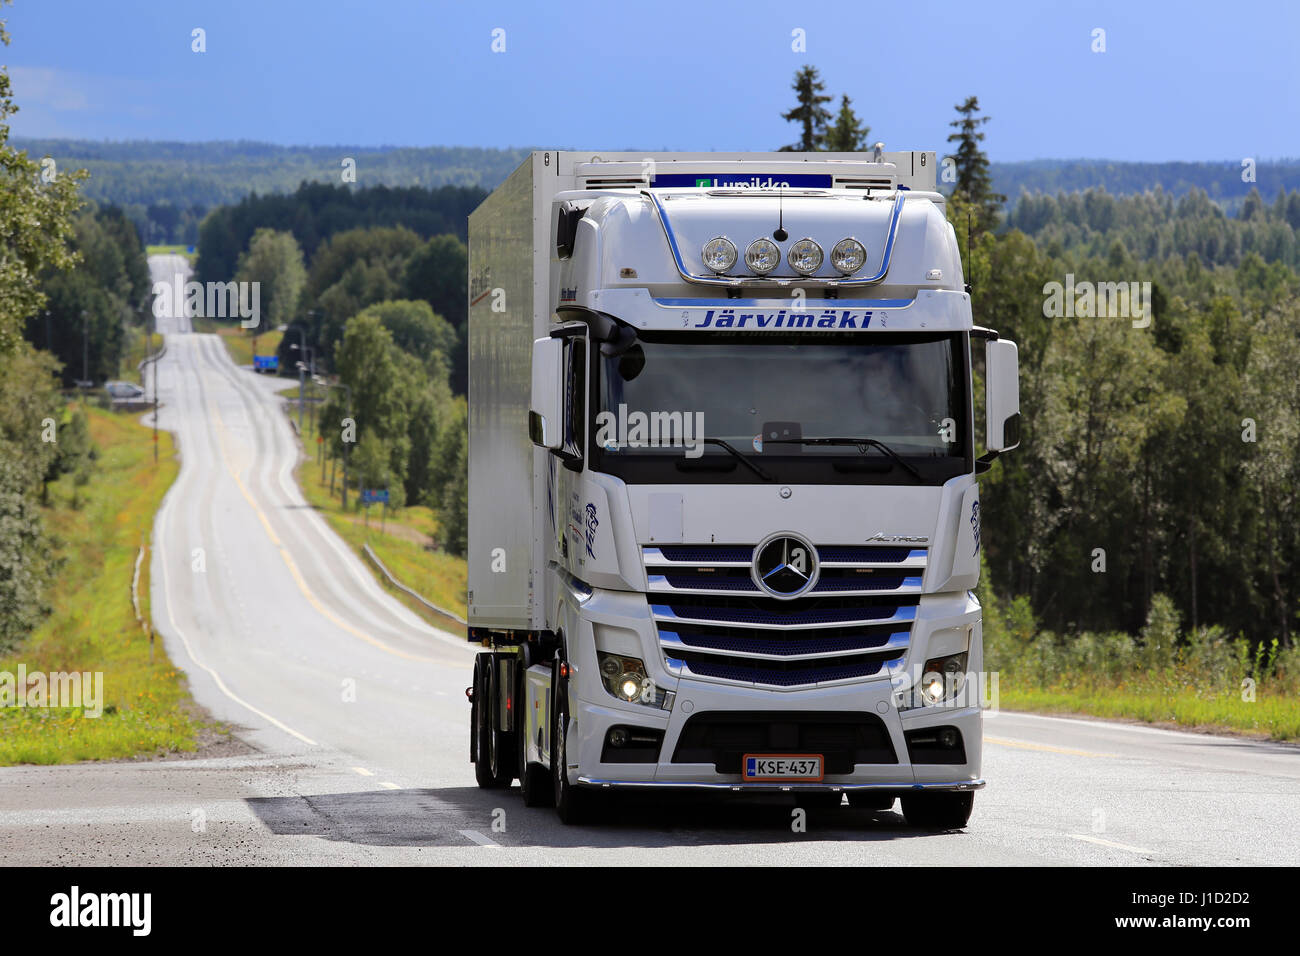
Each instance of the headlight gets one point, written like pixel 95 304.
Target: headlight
pixel 848 256
pixel 762 256
pixel 719 254
pixel 805 257
pixel 625 678
pixel 943 678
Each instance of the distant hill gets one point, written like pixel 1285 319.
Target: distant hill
pixel 1220 180
pixel 167 188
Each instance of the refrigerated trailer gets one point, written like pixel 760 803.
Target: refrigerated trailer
pixel 724 518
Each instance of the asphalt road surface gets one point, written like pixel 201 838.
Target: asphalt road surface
pixel 354 713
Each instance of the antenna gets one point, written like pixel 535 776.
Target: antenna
pixel 780 235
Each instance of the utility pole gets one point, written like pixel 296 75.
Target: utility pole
pixel 302 370
pixel 85 347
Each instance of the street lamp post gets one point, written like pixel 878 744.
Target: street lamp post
pixel 302 338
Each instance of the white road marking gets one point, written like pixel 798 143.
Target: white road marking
pixel 160 550
pixel 1117 846
pixel 389 786
pixel 479 838
pixel 364 772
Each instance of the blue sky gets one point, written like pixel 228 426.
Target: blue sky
pixel 1186 80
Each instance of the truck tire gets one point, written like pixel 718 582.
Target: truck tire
pixel 490 769
pixel 939 809
pixel 573 804
pixel 534 778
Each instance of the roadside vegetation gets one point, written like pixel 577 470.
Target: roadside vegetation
pixel 1143 542
pixel 1168 675
pixel 97 518
pixel 407 541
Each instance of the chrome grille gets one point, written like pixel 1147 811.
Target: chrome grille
pixel 715 623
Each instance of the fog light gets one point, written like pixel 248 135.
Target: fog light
pixel 618 737
pixel 805 257
pixel 762 256
pixel 848 256
pixel 719 254
pixel 948 738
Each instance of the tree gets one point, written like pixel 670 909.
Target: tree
pixel 810 112
pixel 37 203
pixel 848 135
pixel 88 309
pixel 418 331
pixel 380 394
pixel 453 516
pixel 352 270
pixel 972 164
pixel 274 261
pixel 437 272
pixel 28 405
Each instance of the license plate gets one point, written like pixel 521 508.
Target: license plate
pixel 782 767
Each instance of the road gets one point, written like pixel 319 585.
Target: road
pixel 356 724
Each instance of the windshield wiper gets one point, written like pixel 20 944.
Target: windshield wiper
pixel 739 457
pixel 862 445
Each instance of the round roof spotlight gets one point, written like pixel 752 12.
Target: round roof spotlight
pixel 848 256
pixel 762 256
pixel 805 257
pixel 719 254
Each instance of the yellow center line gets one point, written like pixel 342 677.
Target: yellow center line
pixel 293 567
pixel 1026 745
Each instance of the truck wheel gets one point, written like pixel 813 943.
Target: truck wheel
pixel 866 800
pixel 489 770
pixel 938 810
pixel 534 780
pixel 573 804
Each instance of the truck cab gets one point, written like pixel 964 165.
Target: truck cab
pixel 724 521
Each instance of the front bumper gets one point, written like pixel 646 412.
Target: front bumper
pixel 591 721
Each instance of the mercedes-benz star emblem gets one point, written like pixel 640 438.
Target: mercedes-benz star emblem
pixel 785 565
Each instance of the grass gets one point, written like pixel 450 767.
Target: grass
pixel 1273 715
pixel 1169 675
pixel 405 544
pixel 147 709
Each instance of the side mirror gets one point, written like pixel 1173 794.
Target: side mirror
pixel 1002 395
pixel 546 417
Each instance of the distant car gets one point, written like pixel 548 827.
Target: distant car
pixel 123 390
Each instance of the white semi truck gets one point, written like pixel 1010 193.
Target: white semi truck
pixel 724 519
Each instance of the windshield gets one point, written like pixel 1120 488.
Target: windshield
pixel 663 408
